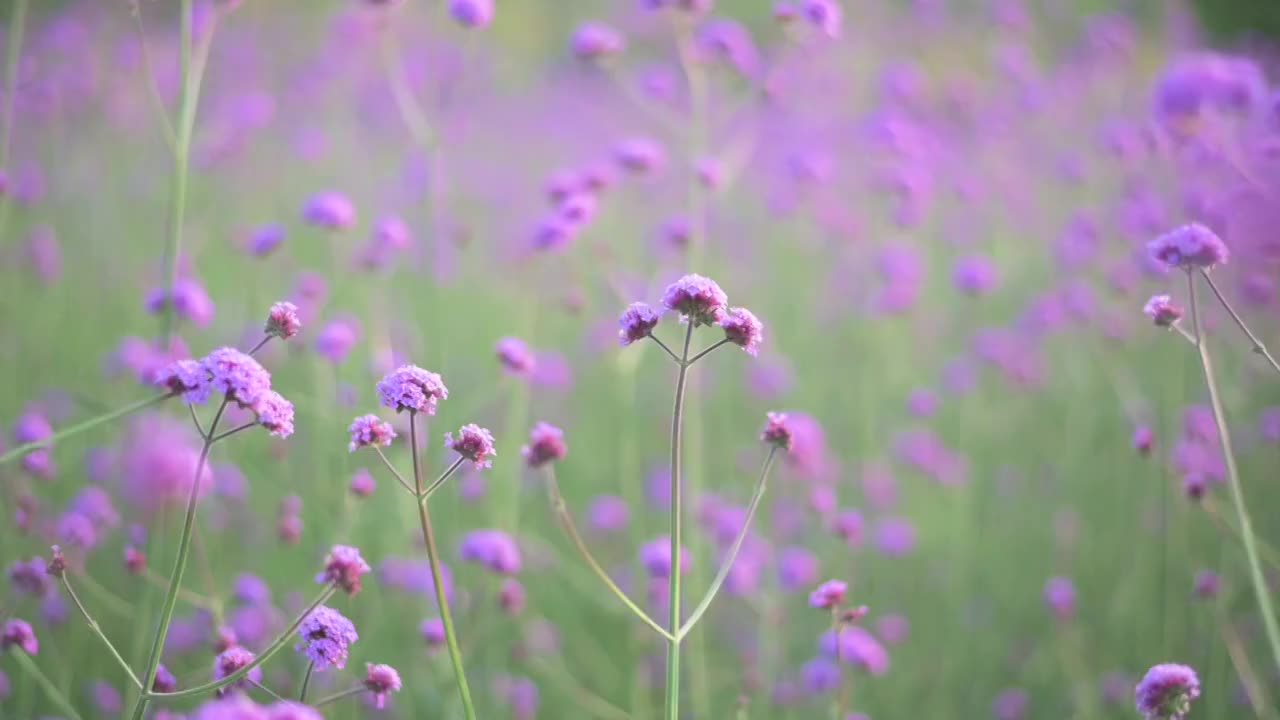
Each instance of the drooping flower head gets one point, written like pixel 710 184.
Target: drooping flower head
pixel 343 566
pixel 743 329
pixel 1162 311
pixel 514 355
pixel 326 634
pixel 698 300
pixel 275 413
pixel 546 444
pixel 637 322
pixel 1189 246
pixel 241 378
pixel 369 431
pixel 412 388
pixel 18 633
pixel 381 680
pixel 1166 692
pixel 233 659
pixel 188 378
pixel 776 431
pixel 473 443
pixel 828 595
pixel 282 321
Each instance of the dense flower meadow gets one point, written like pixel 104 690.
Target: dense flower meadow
pixel 664 359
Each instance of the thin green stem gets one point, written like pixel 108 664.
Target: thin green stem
pixel 727 565
pixel 1258 347
pixel 13 63
pixel 1233 478
pixel 1254 690
pixel 113 603
pixel 195 420
pixel 672 711
pixel 179 568
pixel 696 79
pixel 276 645
pixel 261 343
pixel 338 696
pixel 233 431
pixel 306 681
pixel 570 527
pixel 433 558
pixel 394 472
pixel 707 352
pixel 837 700
pixel 435 484
pixel 20 450
pixel 665 349
pixel 55 695
pixel 274 695
pixel 148 67
pixel 192 74
pixel 97 630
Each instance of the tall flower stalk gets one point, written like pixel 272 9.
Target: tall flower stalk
pixel 672 705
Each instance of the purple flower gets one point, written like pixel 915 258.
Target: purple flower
pixel 337 337
pixel 511 596
pixel 106 699
pixel 343 567
pixel 326 634
pixel 241 378
pixel 412 388
pixel 546 444
pixel 188 378
pixel 251 589
pixel 608 513
pixel 165 681
pixel 636 323
pixel 1010 704
pixel 743 329
pixel 233 659
pixel 330 210
pixel 797 568
pixel 432 630
pixel 728 41
pixel 18 633
pixel 1166 692
pixel 847 526
pixel 30 577
pixel 826 16
pixel 275 413
pixel 282 321
pixel 857 647
pixel 895 536
pixel 494 549
pixel 33 427
pixel 1162 311
pixel 1144 440
pixel 369 431
pixel 1189 246
pixel 975 275
pixel 362 483
pixel 593 40
pixel 381 680
pixel 1060 596
pixel 514 355
pixel 698 300
pixel 820 675
pixel 639 155
pixel 472 13
pixel 655 555
pixel 77 531
pixel 265 239
pixel 473 443
pixel 777 432
pixel 829 594
pixel 1207 584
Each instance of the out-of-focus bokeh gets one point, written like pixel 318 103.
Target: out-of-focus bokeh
pixel 939 210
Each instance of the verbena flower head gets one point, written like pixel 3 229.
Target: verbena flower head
pixel 412 388
pixel 326 634
pixel 699 300
pixel 343 566
pixel 777 432
pixel 187 378
pixel 1060 596
pixel 381 680
pixel 655 555
pixel 1189 246
pixel 329 209
pixel 828 595
pixel 608 513
pixel 241 378
pixel 30 577
pixel 473 443
pixel 1162 311
pixel 471 13
pixel 743 329
pixel 18 633
pixel 57 564
pixel 514 355
pixel 546 444
pixel 511 596
pixel 826 16
pixel 369 431
pixel 275 413
pixel 1207 584
pixel 265 239
pixel 165 681
pixel 1166 692
pixel 233 659
pixel 432 630
pixel 494 549
pixel 1144 440
pixel 282 321
pixel 637 321
pixel 362 483
pixel 640 155
pixel 593 40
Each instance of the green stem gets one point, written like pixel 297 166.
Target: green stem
pixel 97 630
pixel 394 472
pixel 55 696
pixel 149 68
pixel 1233 478
pixel 435 484
pixel 13 62
pixel 665 349
pixel 437 580
pixel 306 681
pixel 672 711
pixel 707 352
pixel 727 565
pixel 274 695
pixel 179 567
pixel 1258 347
pixel 279 643
pixel 192 72
pixel 64 433
pixel 837 700
pixel 338 696
pixel 571 529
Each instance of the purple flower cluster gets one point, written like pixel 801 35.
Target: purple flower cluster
pixel 1189 246
pixel 473 443
pixel 546 444
pixel 412 388
pixel 326 634
pixel 381 680
pixel 697 299
pixel 369 431
pixel 494 549
pixel 1166 692
pixel 343 567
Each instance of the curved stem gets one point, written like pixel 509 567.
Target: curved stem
pixel 672 705
pixel 55 696
pixel 571 529
pixel 338 696
pixel 437 580
pixel 1233 478
pixel 20 450
pixel 394 472
pixel 727 565
pixel 1258 347
pixel 435 484
pixel 707 352
pixel 179 567
pixel 306 681
pixel 275 647
pixel 97 630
